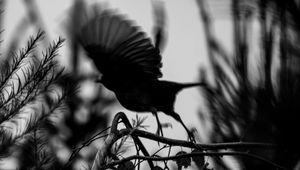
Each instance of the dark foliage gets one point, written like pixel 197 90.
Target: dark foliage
pixel 36 154
pixel 183 162
pixel 29 98
pixel 266 110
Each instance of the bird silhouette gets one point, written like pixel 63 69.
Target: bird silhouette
pixel 130 65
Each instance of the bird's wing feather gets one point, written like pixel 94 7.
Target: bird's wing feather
pixel 120 49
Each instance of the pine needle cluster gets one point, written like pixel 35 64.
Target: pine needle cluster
pixel 29 96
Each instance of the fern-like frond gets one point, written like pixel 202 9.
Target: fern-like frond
pixel 138 122
pixel 36 116
pixel 5 143
pixel 8 68
pixel 36 153
pixel 32 81
pixel 28 98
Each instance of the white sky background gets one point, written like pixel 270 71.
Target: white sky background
pixel 185 51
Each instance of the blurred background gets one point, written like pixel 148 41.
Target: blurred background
pixel 94 107
pixel 246 50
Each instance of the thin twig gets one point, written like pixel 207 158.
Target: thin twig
pixel 84 144
pixel 183 143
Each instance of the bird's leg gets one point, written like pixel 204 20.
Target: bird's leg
pixel 159 127
pixel 178 118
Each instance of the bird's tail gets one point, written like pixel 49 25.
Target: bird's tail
pixel 187 85
pixel 201 84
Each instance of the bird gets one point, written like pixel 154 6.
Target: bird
pixel 130 66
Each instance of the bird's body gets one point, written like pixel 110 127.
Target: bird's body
pixel 130 65
pixel 145 95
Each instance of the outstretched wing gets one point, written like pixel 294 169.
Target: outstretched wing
pixel 119 49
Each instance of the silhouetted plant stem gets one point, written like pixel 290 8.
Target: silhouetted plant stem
pixel 207 29
pixel 2 4
pixel 213 46
pixel 76 13
pixel 239 45
pixel 159 24
pixel 35 17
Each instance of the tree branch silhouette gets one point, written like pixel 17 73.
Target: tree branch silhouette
pixel 100 161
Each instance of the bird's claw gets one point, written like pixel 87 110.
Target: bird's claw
pixel 191 137
pixel 159 131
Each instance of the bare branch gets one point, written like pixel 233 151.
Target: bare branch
pixel 100 161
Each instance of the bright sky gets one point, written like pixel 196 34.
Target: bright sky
pixel 184 54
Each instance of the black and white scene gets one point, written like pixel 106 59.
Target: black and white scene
pixel 149 84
